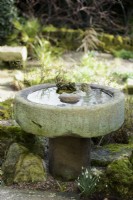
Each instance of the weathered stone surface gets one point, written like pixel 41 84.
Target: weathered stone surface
pixel 69 98
pixel 8 53
pixel 102 156
pixel 12 158
pixel 85 121
pixel 13 194
pixel 29 168
pixel 22 166
pixel 67 155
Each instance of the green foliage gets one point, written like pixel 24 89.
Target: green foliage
pixel 90 40
pixel 62 186
pixel 26 33
pixel 107 15
pixel 8 13
pixel 111 43
pixel 68 39
pixel 125 54
pixel 47 55
pixel 87 181
pixel 6 109
pixel 90 70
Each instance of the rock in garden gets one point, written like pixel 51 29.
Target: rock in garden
pixel 22 166
pixel 29 168
pixel 120 177
pixel 102 156
pixel 69 98
pixel 12 158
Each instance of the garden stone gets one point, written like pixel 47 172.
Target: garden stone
pixel 25 194
pixel 8 53
pixel 12 158
pixel 29 168
pixel 102 156
pixel 130 85
pixel 22 166
pixel 120 178
pixel 69 98
pixel 10 133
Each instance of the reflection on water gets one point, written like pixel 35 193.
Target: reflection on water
pixel 50 97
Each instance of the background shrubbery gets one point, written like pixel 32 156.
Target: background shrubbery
pixel 111 16
pixel 8 13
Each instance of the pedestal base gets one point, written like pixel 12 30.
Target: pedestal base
pixel 67 155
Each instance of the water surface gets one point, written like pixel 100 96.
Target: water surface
pixel 49 96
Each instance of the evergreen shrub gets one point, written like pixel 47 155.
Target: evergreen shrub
pixel 8 13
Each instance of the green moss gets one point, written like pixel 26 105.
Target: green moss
pixel 110 43
pixel 68 39
pixel 11 134
pixel 6 109
pixel 14 133
pixel 120 176
pixel 118 147
pixel 12 158
pixel 29 169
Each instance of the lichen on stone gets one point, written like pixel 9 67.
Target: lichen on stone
pixel 21 165
pixel 29 169
pixel 8 167
pixel 120 176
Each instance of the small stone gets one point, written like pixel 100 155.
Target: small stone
pixel 69 98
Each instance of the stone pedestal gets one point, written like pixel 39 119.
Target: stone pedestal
pixel 67 155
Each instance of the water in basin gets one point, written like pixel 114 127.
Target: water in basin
pixel 49 96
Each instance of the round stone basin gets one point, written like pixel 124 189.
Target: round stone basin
pixel 52 118
pixel 69 126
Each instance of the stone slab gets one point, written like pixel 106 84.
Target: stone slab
pixel 130 85
pixel 13 194
pixel 8 53
pixel 102 156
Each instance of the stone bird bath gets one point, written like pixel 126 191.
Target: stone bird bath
pixel 69 126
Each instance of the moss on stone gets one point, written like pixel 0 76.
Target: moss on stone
pixel 22 166
pixel 118 147
pixel 29 169
pixel 120 176
pixel 6 109
pixel 102 156
pixel 11 160
pixel 11 134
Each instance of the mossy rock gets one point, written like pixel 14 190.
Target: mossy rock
pixel 103 156
pixel 120 178
pixel 11 134
pixel 22 166
pixel 29 169
pixel 6 109
pixel 8 167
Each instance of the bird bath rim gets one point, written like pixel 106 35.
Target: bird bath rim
pixel 114 93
